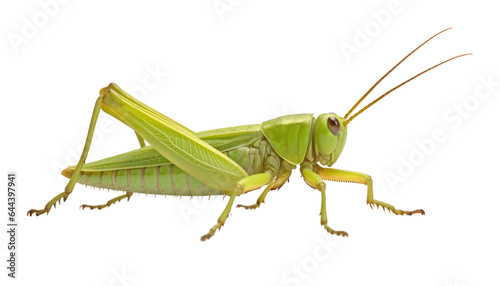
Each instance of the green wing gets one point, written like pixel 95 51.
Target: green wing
pixel 173 141
pixel 222 139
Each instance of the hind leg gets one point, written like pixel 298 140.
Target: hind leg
pixel 71 184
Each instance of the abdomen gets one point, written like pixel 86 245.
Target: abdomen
pixel 168 179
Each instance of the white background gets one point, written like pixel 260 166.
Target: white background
pixel 253 62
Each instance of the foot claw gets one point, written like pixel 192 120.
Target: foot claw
pixel 250 207
pixel 336 232
pixel 392 209
pixel 99 207
pixel 37 212
pixel 419 211
pixel 401 212
pixel 207 236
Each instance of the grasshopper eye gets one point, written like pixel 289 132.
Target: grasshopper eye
pixel 333 125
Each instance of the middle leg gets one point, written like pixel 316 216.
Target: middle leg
pixel 276 184
pixel 243 186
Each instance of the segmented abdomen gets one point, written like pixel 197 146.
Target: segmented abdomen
pixel 160 180
pixel 169 179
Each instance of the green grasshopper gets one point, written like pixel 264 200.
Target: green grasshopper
pixel 228 161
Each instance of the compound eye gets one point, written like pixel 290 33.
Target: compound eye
pixel 333 125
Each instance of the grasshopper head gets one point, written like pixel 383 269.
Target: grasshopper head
pixel 329 134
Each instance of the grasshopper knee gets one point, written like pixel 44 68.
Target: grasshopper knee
pixel 321 186
pixel 68 172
